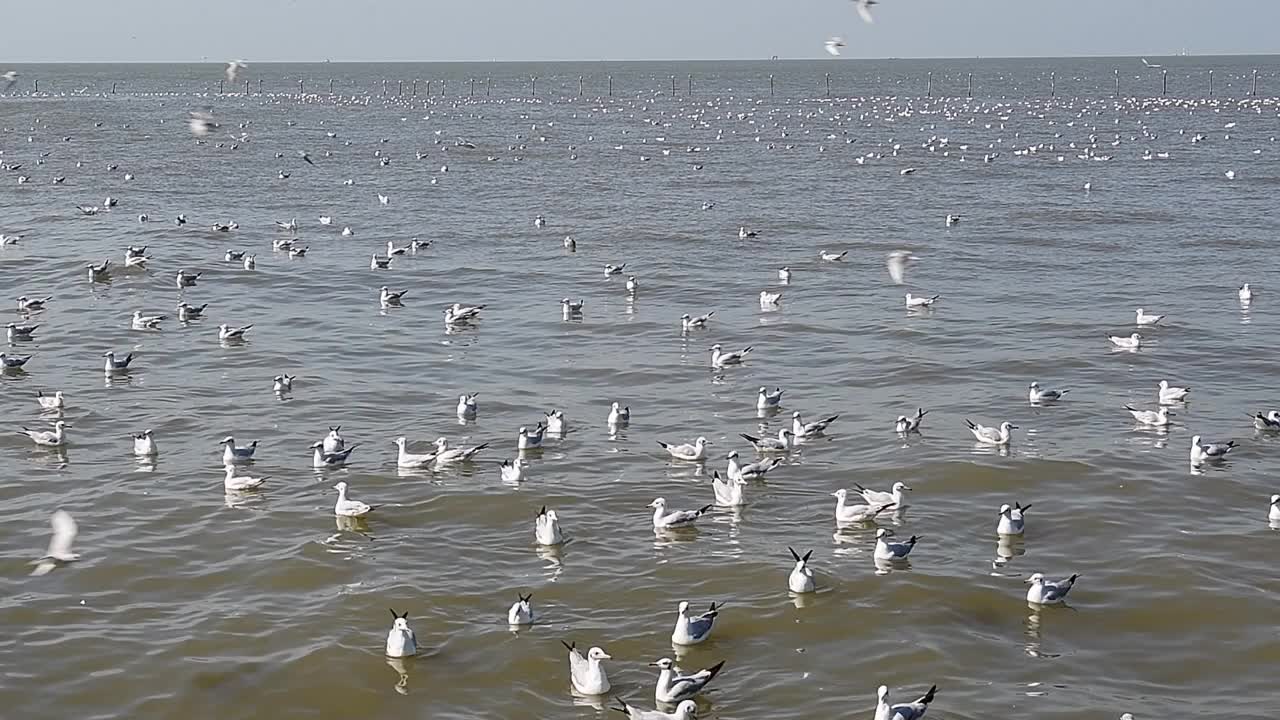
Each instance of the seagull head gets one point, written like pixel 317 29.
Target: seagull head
pixel 1195 441
pixel 228 440
pixel 1036 579
pixel 1005 509
pixel 883 533
pixel 596 653
pixel 701 441
pixel 664 663
pixel 1007 426
pixel 715 348
pixel 900 486
pixel 400 441
pixel 658 503
pixel 882 692
pixel 341 487
pixel 684 606
pixel 401 623
pixel 442 443
pixel 1275 499
pixel 733 455
pixel 841 493
pixel 1036 385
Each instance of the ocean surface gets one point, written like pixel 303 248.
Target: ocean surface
pixel 188 602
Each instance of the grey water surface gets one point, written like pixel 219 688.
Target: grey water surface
pixel 191 603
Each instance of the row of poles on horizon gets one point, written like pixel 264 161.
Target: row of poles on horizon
pixel 533 85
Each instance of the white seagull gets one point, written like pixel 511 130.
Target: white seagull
pixel 467 406
pixel 663 520
pixel 802 429
pixel 909 711
pixel 1133 342
pixel 521 611
pixel 877 497
pixel 1172 394
pixel 52 402
pixel 852 514
pixel 401 642
pixel 57 437
pixel 405 459
pixel 619 416
pixel 766 399
pixel 897 265
pixel 1245 293
pixel 833 45
pixel 781 444
pixel 673 687
pixel 345 507
pixel 238 483
pixel 801 578
pixel 691 630
pixel 991 435
pixel 904 425
pixel 1011 519
pixel 1144 319
pixel 587 674
pixel 1036 395
pixel 1045 592
pixel 752 471
pixel 144 445
pixel 686 710
pixel 887 550
pixel 1209 451
pixel 546 528
pixel 1155 418
pixel 697 452
pixel 914 302
pixel 446 454
pixel 232 455
pixel 728 493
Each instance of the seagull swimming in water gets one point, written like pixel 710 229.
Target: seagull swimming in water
pixel 852 514
pixel 1171 394
pixel 1154 418
pixel 991 435
pixel 801 578
pixel 673 687
pixel 889 550
pixel 1145 319
pixel 909 711
pixel 905 425
pixel 728 493
pixel 802 429
pixel 233 455
pixel 1011 519
pixel 691 630
pixel 1269 421
pixel 401 642
pixel 697 452
pixel 345 507
pixel 686 710
pixel 57 437
pixel 587 674
pixel 1045 592
pixel 1209 451
pixel 719 359
pixel 546 528
pixel 1133 342
pixel 917 303
pixel 663 520
pixel 1036 395
pixel 521 611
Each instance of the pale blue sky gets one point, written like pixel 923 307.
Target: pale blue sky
pixel 469 30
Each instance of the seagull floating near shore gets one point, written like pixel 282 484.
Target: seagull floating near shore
pixel 405 459
pixel 13 362
pixel 1037 395
pixel 59 552
pixel 991 435
pixel 401 641
pixel 692 630
pixel 57 437
pixel 720 359
pixel 587 674
pixel 914 302
pixel 1171 394
pixel 910 711
pixel 904 424
pixel 1201 452
pixel 112 365
pixel 346 507
pixel 144 444
pixel 1133 342
pixel 686 710
pixel 852 514
pixel 800 580
pixel 619 416
pixel 1046 592
pixel 889 550
pixel 673 687
pixel 664 520
pixel 1012 521
pixel 752 471
pixel 51 403
pixel 546 528
pixel 1144 319
pixel 446 454
pixel 766 399
pixel 1154 418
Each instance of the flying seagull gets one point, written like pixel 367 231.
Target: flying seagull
pixel 833 46
pixel 1150 65
pixel 233 68
pixel 864 10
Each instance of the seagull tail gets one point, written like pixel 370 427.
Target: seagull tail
pixel 969 422
pixel 664 446
pixel 928 697
pixel 703 510
pixel 625 709
pixel 568 645
pixel 714 670
pixel 748 438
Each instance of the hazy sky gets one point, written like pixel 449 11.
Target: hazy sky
pixel 446 30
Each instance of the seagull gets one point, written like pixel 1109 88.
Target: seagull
pixel 801 578
pixel 769 300
pixel 1036 395
pixel 728 493
pixel 20 332
pixel 632 284
pixel 446 454
pixel 1274 513
pixel 674 688
pixel 186 279
pixel 570 244
pixel 802 429
pixel 379 263
pixel 30 305
pixel 614 269
pixel 781 444
pixel 233 256
pixel 99 272
pixel 864 10
pixel 697 452
pixel 833 257
pixel 1171 394
pixel 386 298
pixel 852 514
pixel 232 455
pixel 833 45
pixel 695 629
pixel 114 365
pixel 886 550
pixel 991 435
pixel 744 233
pixel 1230 174
pixel 952 220
pixel 569 308
pixel 720 359
pixel 144 445
pixel 238 483
pixel 393 249
pixel 914 302
pixel 303 154
pixel 688 323
pixel 349 508
pixel 904 425
pixel 512 471
pixel 234 67
pixel 1144 319
pixel 401 642
pixel 1045 592
pixel 291 226
pixel 51 402
pixel 146 322
pixel 910 711
pixel 687 710
pixel 876 497
pixel 907 171
pixel 1011 520
pixel 1246 293
pixel 283 383
pixel 322 458
pixel 619 416
pixel 586 674
pixel 526 440
pixel 59 552
pixel 227 333
pixel 521 612
pixel 13 362
pixel 897 265
pixel 1133 342
pixel 190 312
pixel 383 199
pixel 461 313
pixel 88 209
pixel 1155 418
pixel 546 528
pixel 467 406
pixel 784 275
pixel 1150 65
pixel 555 422
pixel 751 471
pixel 1270 421
pixel 57 437
pixel 663 520
pixel 766 399
pixel 1210 451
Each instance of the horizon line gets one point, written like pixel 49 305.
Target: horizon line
pixel 779 59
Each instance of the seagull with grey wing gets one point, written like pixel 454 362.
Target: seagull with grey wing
pixel 674 687
pixel 59 552
pixel 908 711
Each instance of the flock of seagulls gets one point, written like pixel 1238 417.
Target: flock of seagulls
pixel 587 673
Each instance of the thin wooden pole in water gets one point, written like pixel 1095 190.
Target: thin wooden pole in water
pixel 113 88
pixel 414 89
pixel 1164 82
pixel 690 84
pixel 37 86
pixel 220 87
pixel 579 86
pixel 533 79
pixel 300 84
pixel 473 87
pixel 969 92
pixel 1053 84
pixel 1117 74
pixel 400 86
pixel 442 83
pixel 1254 92
pixel 1210 83
pixel 673 86
pixel 330 86
pixel 384 87
pixel 610 86
pixel 770 86
pixel 928 89
pixel 428 86
pixel 488 85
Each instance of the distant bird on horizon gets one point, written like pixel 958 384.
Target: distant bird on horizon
pixel 1150 65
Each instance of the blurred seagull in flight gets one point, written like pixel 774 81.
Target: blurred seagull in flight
pixel 64 534
pixel 233 68
pixel 897 264
pixel 864 10
pixel 833 46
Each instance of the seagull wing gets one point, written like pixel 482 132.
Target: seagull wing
pixel 64 534
pixel 864 11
